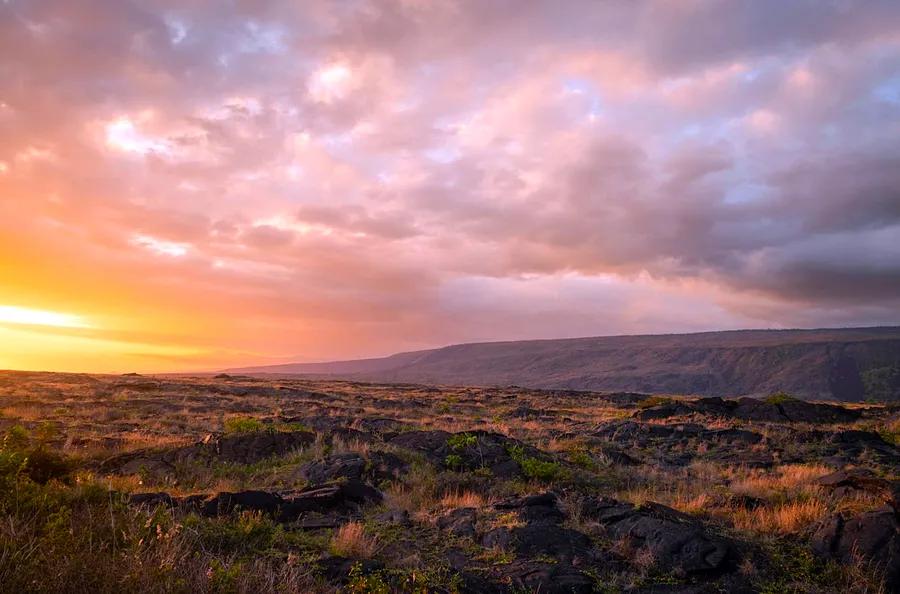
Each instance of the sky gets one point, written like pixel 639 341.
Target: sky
pixel 195 185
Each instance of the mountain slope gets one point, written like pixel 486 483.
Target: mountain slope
pixel 827 363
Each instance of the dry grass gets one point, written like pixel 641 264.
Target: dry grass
pixel 784 519
pixel 793 480
pixel 462 499
pixel 351 540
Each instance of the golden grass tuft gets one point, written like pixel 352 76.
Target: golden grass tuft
pixel 462 499
pixel 351 540
pixel 783 519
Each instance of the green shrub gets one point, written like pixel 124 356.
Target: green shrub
pixel 16 438
pixel 541 470
pixel 652 401
pixel 453 461
pixel 361 583
pixel 582 458
pixel 461 441
pixel 224 579
pixel 38 463
pixel 534 468
pixel 779 398
pixel 42 465
pixel 244 425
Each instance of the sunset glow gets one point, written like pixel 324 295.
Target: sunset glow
pixel 22 315
pixel 203 186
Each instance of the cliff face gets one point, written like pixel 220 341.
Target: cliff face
pixel 827 364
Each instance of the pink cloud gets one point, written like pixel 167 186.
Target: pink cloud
pixel 386 175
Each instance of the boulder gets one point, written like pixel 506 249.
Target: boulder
pixel 536 540
pixel 226 503
pixel 546 578
pixel 460 522
pixel 797 411
pixel 336 466
pixel 252 447
pixel 470 450
pixel 871 537
pixel 344 497
pixel 151 500
pixel 242 448
pixel 861 479
pixel 535 509
pixel 677 541
pixel 664 411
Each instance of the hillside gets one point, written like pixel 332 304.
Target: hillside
pixel 848 364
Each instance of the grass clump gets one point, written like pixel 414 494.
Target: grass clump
pixel 351 541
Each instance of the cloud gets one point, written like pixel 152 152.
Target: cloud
pixel 339 179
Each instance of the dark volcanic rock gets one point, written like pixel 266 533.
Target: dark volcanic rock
pixel 714 406
pixel 677 541
pixel 535 509
pixel 253 447
pixel 843 447
pixel 678 443
pixel 386 428
pixel 385 466
pixel 471 450
pixel 873 537
pixel 151 500
pixel 245 448
pixel 226 503
pixel 535 540
pixel 801 411
pixel 798 411
pixel 333 467
pixel 460 522
pixel 342 497
pixel 862 479
pixel 337 569
pixel 752 409
pixel 426 442
pixel 664 411
pixel 546 578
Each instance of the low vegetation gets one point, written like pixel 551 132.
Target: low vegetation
pixel 136 484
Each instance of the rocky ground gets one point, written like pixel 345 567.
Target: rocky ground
pixel 235 484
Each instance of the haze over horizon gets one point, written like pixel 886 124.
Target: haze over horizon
pixel 190 187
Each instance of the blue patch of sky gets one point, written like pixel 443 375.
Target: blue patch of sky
pixel 888 91
pixel 588 91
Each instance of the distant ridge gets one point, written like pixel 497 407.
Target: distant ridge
pixel 828 363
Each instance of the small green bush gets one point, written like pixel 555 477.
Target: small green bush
pixel 462 441
pixel 534 468
pixel 540 470
pixel 779 398
pixel 453 461
pixel 361 583
pixel 582 458
pixel 244 425
pixel 652 401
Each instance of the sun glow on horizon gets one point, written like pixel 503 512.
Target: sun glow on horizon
pixel 11 314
